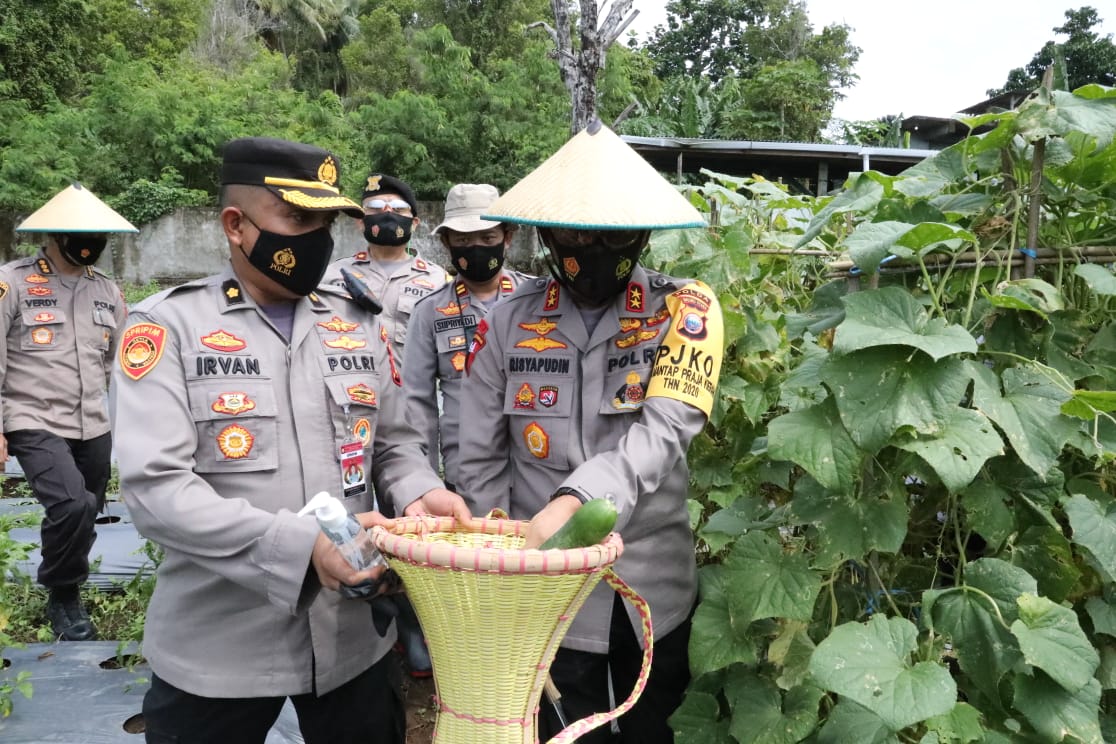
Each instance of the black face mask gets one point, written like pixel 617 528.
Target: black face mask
pixel 294 262
pixel 594 274
pixel 478 263
pixel 387 228
pixel 83 250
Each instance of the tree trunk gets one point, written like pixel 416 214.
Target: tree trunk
pixel 579 67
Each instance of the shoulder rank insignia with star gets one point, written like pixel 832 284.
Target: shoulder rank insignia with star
pixel 234 295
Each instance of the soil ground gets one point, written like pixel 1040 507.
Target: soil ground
pixel 421 711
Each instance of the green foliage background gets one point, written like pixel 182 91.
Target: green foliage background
pixel 904 501
pixel 136 97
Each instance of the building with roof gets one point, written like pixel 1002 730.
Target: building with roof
pixel 810 168
pixel 939 132
pixel 804 167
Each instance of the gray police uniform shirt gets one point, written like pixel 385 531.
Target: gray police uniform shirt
pixel 441 327
pixel 397 292
pixel 57 348
pixel 224 431
pixel 550 405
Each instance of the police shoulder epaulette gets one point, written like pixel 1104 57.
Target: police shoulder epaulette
pixel 149 303
pixel 440 294
pixel 532 287
pixel 20 263
pixel 668 283
pixel 333 290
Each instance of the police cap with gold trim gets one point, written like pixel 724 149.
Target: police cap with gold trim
pixel 378 183
pixel 303 175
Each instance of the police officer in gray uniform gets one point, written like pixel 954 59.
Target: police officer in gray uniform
pixel 60 321
pixel 235 399
pixel 443 322
pixel 397 279
pixel 591 385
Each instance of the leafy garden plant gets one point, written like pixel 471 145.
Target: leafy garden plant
pixel 904 499
pixel 12 552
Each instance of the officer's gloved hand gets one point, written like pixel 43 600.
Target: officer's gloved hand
pixel 384 610
pixel 378 594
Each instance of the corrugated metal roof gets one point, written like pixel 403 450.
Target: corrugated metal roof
pixel 789 149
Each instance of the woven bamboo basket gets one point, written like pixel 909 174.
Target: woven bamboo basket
pixel 494 615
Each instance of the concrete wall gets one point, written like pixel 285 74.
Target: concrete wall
pixel 190 243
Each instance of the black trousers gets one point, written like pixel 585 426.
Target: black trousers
pixel 68 477
pixel 582 679
pixel 365 710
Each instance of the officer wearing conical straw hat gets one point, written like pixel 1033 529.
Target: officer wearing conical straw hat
pixel 593 384
pixel 60 321
pixel 236 398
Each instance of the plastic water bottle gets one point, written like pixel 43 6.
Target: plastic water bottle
pixel 354 542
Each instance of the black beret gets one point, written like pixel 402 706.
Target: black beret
pixel 378 183
pixel 303 175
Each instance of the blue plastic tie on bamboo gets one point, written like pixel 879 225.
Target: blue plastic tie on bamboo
pixel 1028 252
pixel 857 271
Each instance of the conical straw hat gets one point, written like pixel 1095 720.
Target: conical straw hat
pixel 596 182
pixel 76 209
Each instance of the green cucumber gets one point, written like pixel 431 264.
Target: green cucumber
pixel 588 526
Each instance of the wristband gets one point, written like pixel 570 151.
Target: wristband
pixel 567 491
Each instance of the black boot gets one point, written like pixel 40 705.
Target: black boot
pixel 68 618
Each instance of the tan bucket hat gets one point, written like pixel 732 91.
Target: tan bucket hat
pixel 595 182
pixel 465 203
pixel 76 209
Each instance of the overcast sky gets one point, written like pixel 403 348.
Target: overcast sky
pixel 930 58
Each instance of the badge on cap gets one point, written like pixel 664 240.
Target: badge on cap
pixel 327 171
pixel 141 348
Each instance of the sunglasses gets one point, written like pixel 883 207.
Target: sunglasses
pixel 379 205
pixel 611 239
